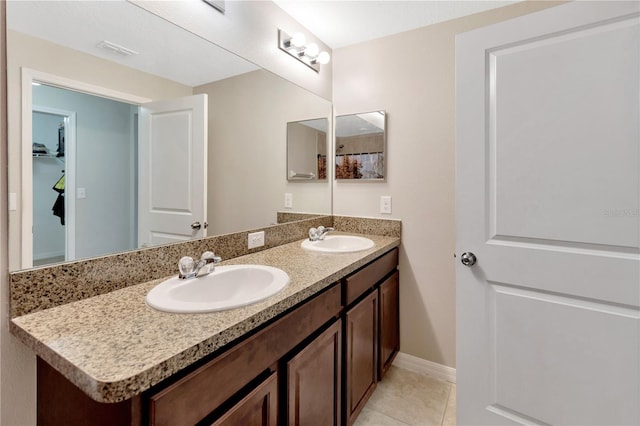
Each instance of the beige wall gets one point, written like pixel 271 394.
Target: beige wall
pixel 17 369
pixel 411 76
pixel 248 117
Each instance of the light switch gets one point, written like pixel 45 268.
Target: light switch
pixel 82 193
pixel 13 201
pixel 385 204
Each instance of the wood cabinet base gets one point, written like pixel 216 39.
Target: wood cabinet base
pixel 318 364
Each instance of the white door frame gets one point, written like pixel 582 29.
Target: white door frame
pixel 70 178
pixel 29 76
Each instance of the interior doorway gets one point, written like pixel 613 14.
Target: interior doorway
pixel 51 135
pixel 84 175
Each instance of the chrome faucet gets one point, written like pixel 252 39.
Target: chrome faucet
pixel 316 234
pixel 190 269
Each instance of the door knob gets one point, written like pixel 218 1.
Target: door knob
pixel 196 225
pixel 468 259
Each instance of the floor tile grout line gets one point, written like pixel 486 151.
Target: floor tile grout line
pixel 446 405
pixel 387 415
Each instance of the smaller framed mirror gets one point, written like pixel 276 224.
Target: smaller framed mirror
pixel 360 146
pixel 307 150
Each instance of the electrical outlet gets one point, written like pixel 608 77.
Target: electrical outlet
pixel 385 204
pixel 256 239
pixel 288 200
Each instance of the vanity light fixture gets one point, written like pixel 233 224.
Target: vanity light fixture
pixel 308 54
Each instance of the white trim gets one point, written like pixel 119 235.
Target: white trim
pixel 26 186
pixel 419 365
pixel 70 177
pixel 80 86
pixel 49 254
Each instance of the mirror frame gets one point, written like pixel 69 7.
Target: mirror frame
pixel 338 146
pixel 314 176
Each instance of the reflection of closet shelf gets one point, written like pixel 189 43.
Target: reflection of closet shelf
pixel 36 155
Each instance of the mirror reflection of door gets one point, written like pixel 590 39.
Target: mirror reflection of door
pixel 172 186
pixel 49 136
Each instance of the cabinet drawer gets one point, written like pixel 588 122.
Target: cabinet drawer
pixel 193 397
pixel 359 282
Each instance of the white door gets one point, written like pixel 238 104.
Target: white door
pixel 548 189
pixel 173 170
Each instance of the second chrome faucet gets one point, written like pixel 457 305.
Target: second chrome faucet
pixel 190 269
pixel 316 234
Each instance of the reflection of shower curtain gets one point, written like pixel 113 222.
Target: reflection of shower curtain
pixel 58 205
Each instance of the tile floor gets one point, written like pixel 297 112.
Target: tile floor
pixel 408 398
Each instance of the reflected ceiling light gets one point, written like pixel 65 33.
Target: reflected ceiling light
pixel 309 54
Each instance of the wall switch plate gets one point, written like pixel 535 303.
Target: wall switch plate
pixel 256 239
pixel 385 204
pixel 13 201
pixel 288 200
pixel 82 193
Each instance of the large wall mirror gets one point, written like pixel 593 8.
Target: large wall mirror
pixel 86 70
pixel 307 148
pixel 360 146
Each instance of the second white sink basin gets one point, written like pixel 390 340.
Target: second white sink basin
pixel 227 287
pixel 338 244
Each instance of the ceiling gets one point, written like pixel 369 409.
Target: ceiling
pixel 163 49
pixel 343 23
pixel 337 23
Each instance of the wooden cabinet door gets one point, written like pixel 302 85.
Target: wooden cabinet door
pixel 361 354
pixel 389 322
pixel 259 408
pixel 313 391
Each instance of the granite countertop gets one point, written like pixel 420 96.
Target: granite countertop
pixel 114 346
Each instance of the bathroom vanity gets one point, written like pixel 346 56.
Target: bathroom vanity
pixel 312 354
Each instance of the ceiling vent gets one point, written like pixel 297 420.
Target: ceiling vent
pixel 115 48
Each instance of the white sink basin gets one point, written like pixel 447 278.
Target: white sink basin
pixel 227 287
pixel 338 244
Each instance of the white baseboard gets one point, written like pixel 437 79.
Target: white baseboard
pixel 47 255
pixel 430 368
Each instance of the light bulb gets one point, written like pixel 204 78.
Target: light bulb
pixel 298 40
pixel 323 58
pixel 312 50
